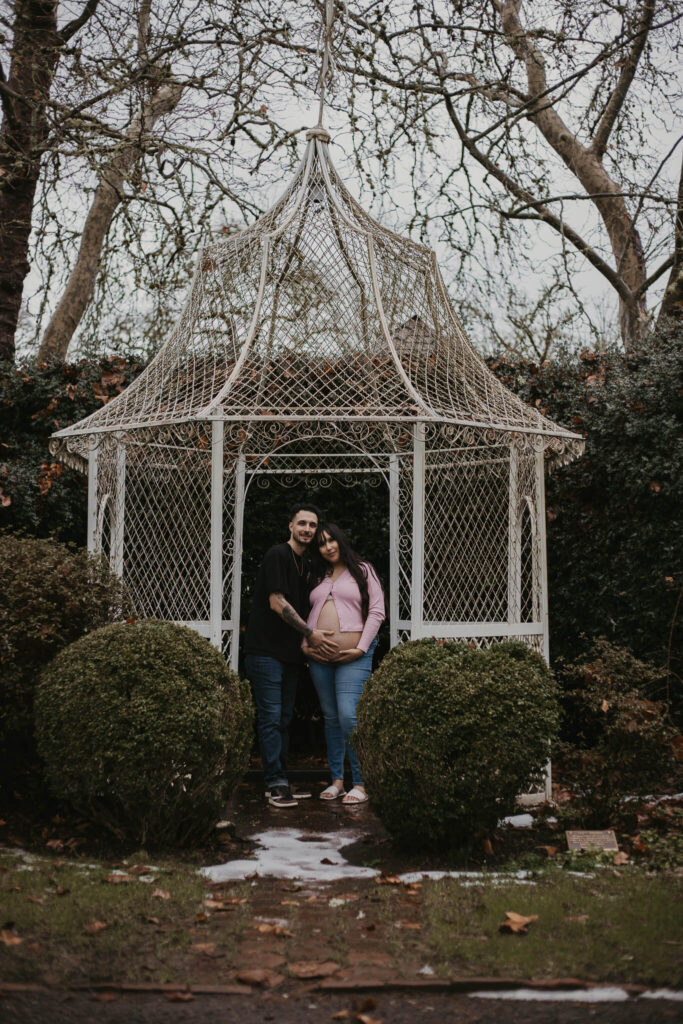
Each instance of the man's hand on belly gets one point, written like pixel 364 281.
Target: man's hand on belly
pixel 324 647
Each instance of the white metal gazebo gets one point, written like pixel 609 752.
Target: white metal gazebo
pixel 317 342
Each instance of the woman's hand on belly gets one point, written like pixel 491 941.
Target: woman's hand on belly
pixel 352 654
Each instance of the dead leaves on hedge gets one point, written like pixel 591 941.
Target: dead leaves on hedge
pixel 516 924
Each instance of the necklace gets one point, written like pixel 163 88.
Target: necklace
pixel 299 567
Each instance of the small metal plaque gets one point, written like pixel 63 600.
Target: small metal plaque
pixel 604 840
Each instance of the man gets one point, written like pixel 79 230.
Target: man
pixel 273 647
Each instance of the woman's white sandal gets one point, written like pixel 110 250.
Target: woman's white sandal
pixel 332 792
pixel 355 796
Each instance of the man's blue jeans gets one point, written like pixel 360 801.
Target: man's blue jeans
pixel 339 688
pixel 274 685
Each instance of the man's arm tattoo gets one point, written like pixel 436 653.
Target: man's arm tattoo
pixel 289 616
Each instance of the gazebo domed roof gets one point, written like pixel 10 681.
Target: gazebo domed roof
pixel 317 312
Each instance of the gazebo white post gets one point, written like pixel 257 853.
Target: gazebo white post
pixel 237 561
pixel 393 549
pixel 91 522
pixel 417 571
pixel 514 541
pixel 541 574
pixel 216 571
pixel 118 525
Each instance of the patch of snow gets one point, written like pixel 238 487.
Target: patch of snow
pixel 608 994
pixel 429 971
pixel 664 993
pixel 293 853
pixel 290 853
pixel 518 821
pixel 468 877
pixel 599 994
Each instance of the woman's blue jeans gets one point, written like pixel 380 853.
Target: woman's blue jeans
pixel 339 688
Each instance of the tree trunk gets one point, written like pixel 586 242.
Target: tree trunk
pixel 108 195
pixel 672 303
pixel 24 131
pixel 586 161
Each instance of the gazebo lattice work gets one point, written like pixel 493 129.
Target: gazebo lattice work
pixel 317 342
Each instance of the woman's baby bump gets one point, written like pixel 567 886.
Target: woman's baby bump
pixel 329 619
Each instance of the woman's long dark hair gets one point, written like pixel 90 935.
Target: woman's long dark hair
pixel 357 567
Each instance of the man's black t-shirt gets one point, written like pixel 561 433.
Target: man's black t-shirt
pixel 279 573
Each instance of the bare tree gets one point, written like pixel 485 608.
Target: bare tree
pixel 35 53
pixel 163 98
pixel 527 114
pixel 120 191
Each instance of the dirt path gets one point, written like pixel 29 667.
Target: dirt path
pixel 316 1008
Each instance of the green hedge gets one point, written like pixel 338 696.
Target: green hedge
pixel 449 735
pixel 144 729
pixel 614 516
pixel 51 595
pixel 38 494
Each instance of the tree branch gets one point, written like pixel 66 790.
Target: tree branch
pixel 72 27
pixel 543 214
pixel 620 91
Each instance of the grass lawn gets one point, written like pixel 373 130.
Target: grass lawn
pixel 53 913
pixel 70 922
pixel 604 927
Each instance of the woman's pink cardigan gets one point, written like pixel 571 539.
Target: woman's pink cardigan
pixel 347 600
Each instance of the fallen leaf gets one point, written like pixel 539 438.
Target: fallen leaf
pixel 313 969
pixel 326 860
pixel 36 899
pixel 388 880
pixel 620 858
pixel 62 892
pixel 105 997
pixel 179 997
pixel 605 705
pixel 152 920
pixel 214 904
pixel 487 847
pixel 162 894
pixel 139 869
pixel 95 927
pixel 203 947
pixel 54 844
pixel 257 976
pixel 414 926
pixel 341 1015
pixel 517 924
pixel 275 929
pixel 580 918
pixel 551 851
pixel 201 918
pixel 368 1004
pixel 364 1018
pixel 8 938
pixel 118 879
pixel 290 903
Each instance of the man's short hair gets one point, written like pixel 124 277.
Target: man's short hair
pixel 304 506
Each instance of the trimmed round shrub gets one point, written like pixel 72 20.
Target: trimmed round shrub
pixel 145 730
pixel 51 594
pixel 449 735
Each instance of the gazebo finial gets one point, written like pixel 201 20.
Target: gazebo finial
pixel 325 70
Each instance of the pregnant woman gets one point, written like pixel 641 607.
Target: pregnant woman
pixel 346 598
